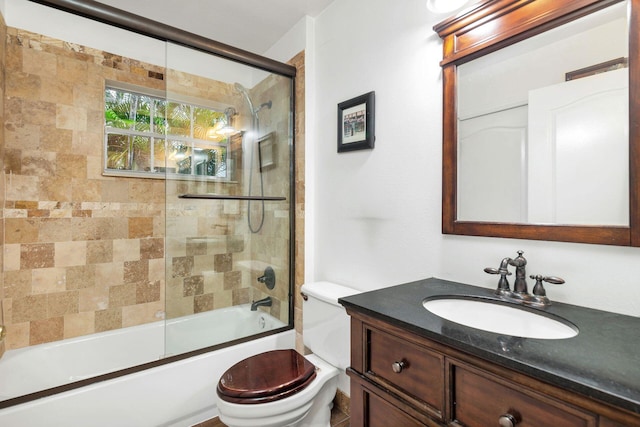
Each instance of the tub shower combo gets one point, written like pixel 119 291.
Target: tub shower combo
pixel 175 260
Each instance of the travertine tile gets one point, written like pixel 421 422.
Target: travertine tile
pixel 222 299
pixel 140 227
pixel 99 251
pixel 72 70
pixel 54 230
pixel 142 313
pixel 55 188
pixel 78 324
pixel 109 274
pixel 148 292
pixel 37 255
pixel 48 280
pixel 71 165
pixel 151 248
pixel 62 303
pixel 126 250
pixel 181 266
pixel 107 320
pixel 157 269
pixel 17 284
pixel 81 277
pixel 223 263
pixel 122 295
pixel 46 330
pixel 136 271
pixel 202 303
pixel 193 285
pixel 94 298
pixel 29 308
pixel 11 257
pixel 38 163
pixel 56 91
pixel 21 230
pixel 232 280
pixel 241 296
pixel 69 254
pixel 23 85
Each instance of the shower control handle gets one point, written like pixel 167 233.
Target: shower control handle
pixel 269 278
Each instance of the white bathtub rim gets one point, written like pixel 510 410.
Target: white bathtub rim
pixel 187 388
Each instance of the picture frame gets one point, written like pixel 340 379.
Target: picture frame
pixel 356 123
pixel 266 152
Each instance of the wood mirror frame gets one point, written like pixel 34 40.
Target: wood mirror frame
pixel 494 24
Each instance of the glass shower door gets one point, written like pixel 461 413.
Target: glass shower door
pixel 228 165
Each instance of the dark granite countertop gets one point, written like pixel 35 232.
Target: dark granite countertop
pixel 602 361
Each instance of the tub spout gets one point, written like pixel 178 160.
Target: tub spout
pixel 266 302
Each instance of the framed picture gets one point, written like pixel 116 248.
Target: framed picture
pixel 266 150
pixel 356 123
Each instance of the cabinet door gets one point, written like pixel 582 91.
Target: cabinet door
pixel 372 407
pixel 480 399
pixel 410 370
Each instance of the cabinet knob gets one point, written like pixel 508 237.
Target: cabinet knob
pixel 507 420
pixel 398 366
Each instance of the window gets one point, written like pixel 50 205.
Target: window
pixel 149 136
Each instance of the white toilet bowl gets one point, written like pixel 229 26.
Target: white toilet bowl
pixel 310 407
pixel 277 388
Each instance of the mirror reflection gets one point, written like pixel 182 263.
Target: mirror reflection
pixel 543 127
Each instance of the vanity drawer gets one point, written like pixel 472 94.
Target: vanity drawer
pixel 479 400
pixel 409 369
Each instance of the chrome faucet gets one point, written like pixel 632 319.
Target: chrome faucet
pixel 264 302
pixel 520 293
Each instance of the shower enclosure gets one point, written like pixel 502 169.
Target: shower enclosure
pixel 147 188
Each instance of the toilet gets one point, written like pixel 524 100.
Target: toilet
pixel 283 388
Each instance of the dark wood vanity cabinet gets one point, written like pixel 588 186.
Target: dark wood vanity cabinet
pixel 400 379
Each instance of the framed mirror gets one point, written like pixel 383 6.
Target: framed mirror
pixel 541 134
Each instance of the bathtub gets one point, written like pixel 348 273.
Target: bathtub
pixel 174 395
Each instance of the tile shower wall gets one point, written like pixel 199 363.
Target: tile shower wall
pixel 3 36
pixel 84 252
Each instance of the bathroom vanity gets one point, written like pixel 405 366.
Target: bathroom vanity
pixel 410 367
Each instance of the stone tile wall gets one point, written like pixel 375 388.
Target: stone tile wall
pixel 3 36
pixel 84 252
pixel 298 61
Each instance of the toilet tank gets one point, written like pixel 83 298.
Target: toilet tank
pixel 325 323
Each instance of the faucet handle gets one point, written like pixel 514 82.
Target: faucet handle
pixel 503 283
pixel 538 289
pixel 492 270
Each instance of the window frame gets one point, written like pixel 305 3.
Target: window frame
pixel 193 144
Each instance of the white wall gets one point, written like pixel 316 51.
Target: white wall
pixel 376 213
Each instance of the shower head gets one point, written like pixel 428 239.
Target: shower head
pixel 266 105
pixel 244 92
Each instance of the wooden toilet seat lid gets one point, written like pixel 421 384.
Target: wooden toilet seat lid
pixel 266 377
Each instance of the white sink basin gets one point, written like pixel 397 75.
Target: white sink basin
pixel 499 318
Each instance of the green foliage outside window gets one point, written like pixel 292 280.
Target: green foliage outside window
pixel 154 135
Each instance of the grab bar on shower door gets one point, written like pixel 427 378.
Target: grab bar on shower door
pixel 230 197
